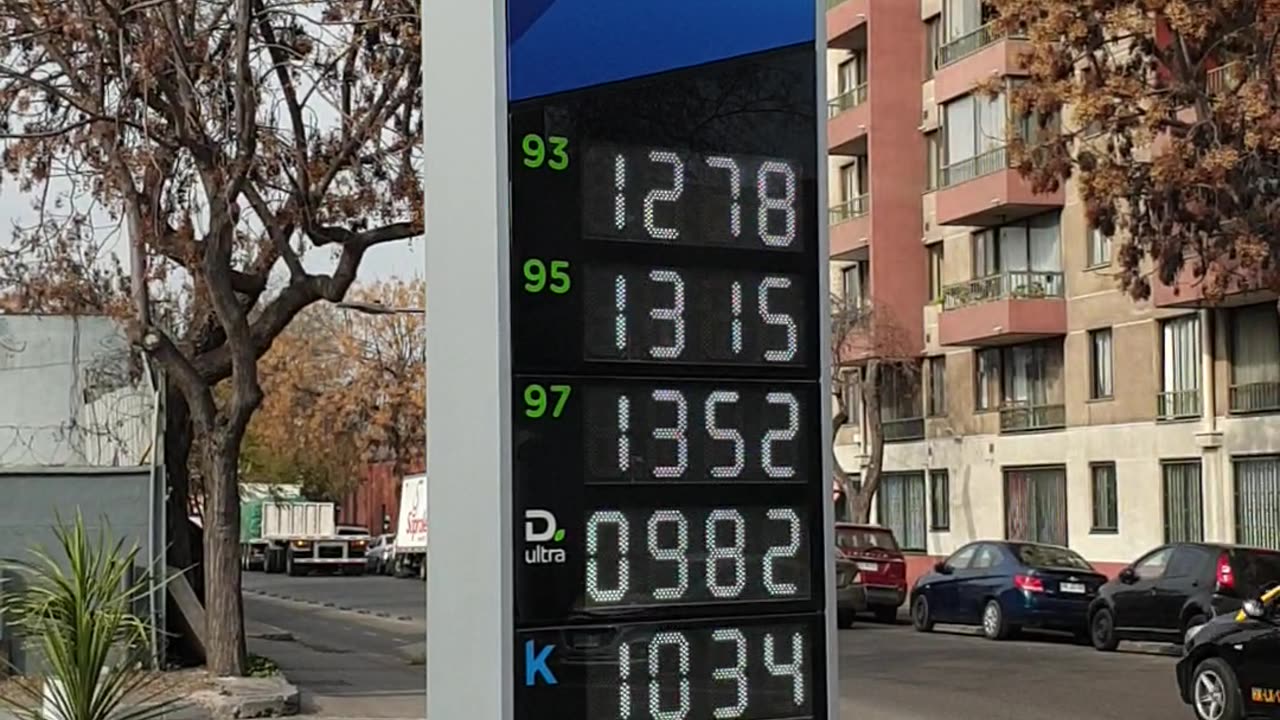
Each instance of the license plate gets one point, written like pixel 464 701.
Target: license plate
pixel 1068 587
pixel 868 567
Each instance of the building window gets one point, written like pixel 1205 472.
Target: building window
pixel 900 506
pixel 851 73
pixel 1028 252
pixel 850 397
pixel 937 386
pixel 1036 505
pixel 974 125
pixel 1106 515
pixel 1099 248
pixel 1100 366
pixel 853 284
pixel 932 153
pixel 1183 501
pixel 986 379
pixel 961 17
pixel 932 39
pixel 1180 371
pixel 935 271
pixel 1258 501
pixel 939 500
pixel 1255 359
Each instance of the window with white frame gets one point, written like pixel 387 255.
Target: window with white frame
pixel 1099 248
pixel 974 124
pixel 1101 370
pixel 901 505
pixel 1180 368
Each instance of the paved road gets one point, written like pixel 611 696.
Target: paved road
pixel 887 672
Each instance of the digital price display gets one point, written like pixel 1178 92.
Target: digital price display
pixel 666 292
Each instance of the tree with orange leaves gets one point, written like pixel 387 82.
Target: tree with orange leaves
pixel 1174 130
pixel 343 388
pixel 219 140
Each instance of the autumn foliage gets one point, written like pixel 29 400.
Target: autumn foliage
pixel 343 389
pixel 215 143
pixel 1170 128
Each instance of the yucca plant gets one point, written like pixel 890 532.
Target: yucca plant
pixel 77 611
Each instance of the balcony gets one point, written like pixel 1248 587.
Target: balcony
pixel 847 23
pixel 975 58
pixel 1026 417
pixel 983 190
pixel 1178 404
pixel 850 228
pixel 1223 285
pixel 1003 309
pixel 848 117
pixel 1258 397
pixel 903 430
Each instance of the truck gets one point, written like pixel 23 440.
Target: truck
pixel 297 536
pixel 411 530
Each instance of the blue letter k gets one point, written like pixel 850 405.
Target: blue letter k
pixel 537 664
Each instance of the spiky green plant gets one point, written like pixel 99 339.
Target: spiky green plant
pixel 77 610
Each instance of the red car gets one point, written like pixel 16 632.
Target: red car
pixel 880 563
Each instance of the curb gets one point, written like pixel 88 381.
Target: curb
pixel 250 698
pixel 333 606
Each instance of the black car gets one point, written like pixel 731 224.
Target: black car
pixel 1231 666
pixel 1004 586
pixel 1176 587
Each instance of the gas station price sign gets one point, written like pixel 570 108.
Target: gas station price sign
pixel 666 291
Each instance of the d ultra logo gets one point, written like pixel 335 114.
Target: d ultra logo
pixel 540 528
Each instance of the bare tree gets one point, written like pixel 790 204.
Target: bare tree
pixel 218 140
pixel 871 340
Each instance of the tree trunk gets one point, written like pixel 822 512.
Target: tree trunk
pixel 224 611
pixel 177 454
pixel 870 390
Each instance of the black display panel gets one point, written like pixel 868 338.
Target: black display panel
pixel 763 669
pixel 683 315
pixel 670 195
pixel 668 494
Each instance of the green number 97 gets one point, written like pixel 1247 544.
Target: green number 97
pixel 537 400
pixel 535 151
pixel 553 276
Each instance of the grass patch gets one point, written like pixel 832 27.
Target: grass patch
pixel 258 666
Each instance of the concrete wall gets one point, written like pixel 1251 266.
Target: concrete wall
pixel 121 499
pixel 68 394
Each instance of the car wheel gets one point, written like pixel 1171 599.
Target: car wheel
pixel 1215 694
pixel 886 614
pixel 1193 621
pixel 921 616
pixel 994 625
pixel 1102 630
pixel 844 619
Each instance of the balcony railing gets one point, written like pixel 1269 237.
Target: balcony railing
pixel 849 209
pixel 1220 79
pixel 1178 404
pixel 991 161
pixel 903 430
pixel 835 3
pixel 969 44
pixel 1255 397
pixel 1025 417
pixel 1011 284
pixel 847 100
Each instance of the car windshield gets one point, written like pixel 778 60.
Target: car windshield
pixel 857 538
pixel 1049 556
pixel 1259 569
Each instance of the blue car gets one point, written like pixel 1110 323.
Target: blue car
pixel 1005 586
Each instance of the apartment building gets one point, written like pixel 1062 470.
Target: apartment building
pixel 1049 406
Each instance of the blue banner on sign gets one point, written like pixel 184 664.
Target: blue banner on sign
pixel 559 45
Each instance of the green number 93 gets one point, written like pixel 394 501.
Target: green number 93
pixel 535 151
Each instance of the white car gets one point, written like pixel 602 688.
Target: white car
pixel 381 554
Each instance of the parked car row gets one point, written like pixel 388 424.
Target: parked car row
pixel 1220 601
pixel 871 573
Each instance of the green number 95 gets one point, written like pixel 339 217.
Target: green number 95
pixel 553 276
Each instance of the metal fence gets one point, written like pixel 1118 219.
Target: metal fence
pixel 968 169
pixel 1178 404
pixel 1020 284
pixel 847 100
pixel 1024 417
pixel 849 209
pixel 1255 397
